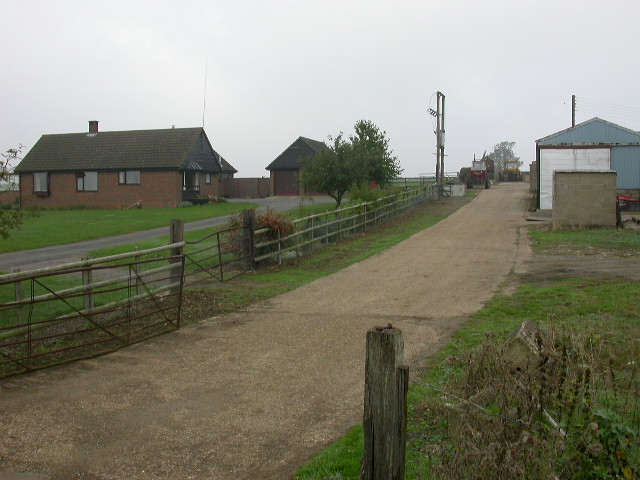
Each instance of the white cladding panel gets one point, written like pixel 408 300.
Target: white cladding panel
pixel 568 159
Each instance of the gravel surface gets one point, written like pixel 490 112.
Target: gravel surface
pixel 254 394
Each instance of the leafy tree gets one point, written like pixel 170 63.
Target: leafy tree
pixel 503 152
pixel 331 171
pixel 363 159
pixel 11 215
pixel 372 155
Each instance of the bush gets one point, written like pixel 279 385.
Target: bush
pixel 366 194
pixel 499 422
pixel 278 225
pixel 185 204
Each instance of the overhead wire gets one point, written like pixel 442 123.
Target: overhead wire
pixel 607 109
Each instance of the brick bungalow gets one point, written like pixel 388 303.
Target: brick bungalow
pixel 151 168
pixel 285 169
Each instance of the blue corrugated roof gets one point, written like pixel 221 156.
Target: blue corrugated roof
pixel 593 132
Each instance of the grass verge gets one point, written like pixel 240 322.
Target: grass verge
pixel 615 241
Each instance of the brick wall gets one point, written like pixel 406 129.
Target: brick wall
pixel 583 199
pixel 8 196
pixel 159 189
pixel 533 177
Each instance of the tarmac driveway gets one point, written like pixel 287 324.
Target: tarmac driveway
pixel 254 394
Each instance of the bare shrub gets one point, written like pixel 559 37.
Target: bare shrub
pixel 569 417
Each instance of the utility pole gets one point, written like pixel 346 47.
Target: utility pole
pixel 439 114
pixel 573 111
pixel 441 135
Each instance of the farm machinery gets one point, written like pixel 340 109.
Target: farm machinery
pixel 511 171
pixel 480 173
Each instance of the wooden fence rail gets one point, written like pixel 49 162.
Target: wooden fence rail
pixel 58 314
pixel 322 228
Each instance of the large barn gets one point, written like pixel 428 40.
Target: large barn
pixel 594 145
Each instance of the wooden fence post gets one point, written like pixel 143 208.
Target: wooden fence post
pixel 19 298
pixel 176 235
pixel 384 420
pixel 249 225
pixel 136 270
pixel 87 279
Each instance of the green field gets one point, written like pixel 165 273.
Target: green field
pixel 56 227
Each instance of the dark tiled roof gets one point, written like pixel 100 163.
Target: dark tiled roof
pixel 226 166
pixel 173 148
pixel 301 148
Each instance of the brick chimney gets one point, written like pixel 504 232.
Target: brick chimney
pixel 93 126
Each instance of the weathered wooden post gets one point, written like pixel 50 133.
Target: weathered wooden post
pixel 176 235
pixel 385 406
pixel 249 226
pixel 87 280
pixel 136 271
pixel 19 298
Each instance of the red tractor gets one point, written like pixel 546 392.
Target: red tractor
pixel 479 174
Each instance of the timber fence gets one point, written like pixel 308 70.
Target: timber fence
pixel 78 310
pixel 318 230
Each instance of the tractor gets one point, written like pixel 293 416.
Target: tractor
pixel 479 174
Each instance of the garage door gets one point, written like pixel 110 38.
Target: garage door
pixel 568 159
pixel 285 182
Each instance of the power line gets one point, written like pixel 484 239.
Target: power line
pixel 610 105
pixel 611 110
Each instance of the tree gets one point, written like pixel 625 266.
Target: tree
pixel 364 159
pixel 503 152
pixel 372 155
pixel 331 171
pixel 11 215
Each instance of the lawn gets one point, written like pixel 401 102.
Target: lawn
pixel 56 227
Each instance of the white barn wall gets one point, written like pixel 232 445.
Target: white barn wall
pixel 552 159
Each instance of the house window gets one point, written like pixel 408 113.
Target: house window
pixel 41 182
pixel 207 178
pixel 129 177
pixel 87 181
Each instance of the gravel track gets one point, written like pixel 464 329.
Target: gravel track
pixel 254 394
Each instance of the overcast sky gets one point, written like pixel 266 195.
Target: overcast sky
pixel 280 69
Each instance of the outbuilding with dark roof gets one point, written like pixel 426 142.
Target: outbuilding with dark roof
pixel 285 169
pixel 150 168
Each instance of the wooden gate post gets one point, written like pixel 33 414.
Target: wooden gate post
pixel 87 280
pixel 176 235
pixel 385 406
pixel 249 225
